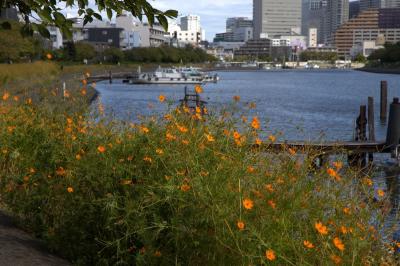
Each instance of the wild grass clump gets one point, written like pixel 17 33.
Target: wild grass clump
pixel 27 71
pixel 183 189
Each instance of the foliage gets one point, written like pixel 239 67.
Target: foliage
pixel 50 12
pixel 84 51
pixel 323 56
pixel 14 47
pixel 182 189
pixel 360 58
pixel 113 55
pixel 167 54
pixel 389 54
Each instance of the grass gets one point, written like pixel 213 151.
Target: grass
pixel 181 189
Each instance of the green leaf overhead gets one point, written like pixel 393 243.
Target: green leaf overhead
pixel 49 12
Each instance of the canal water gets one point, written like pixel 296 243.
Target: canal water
pixel 301 104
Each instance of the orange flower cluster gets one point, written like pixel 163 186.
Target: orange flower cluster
pixel 270 255
pixel 338 244
pixel 322 229
pixel 308 244
pixel 248 204
pixel 255 123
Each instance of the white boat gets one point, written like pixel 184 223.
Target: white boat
pixel 173 76
pixel 196 72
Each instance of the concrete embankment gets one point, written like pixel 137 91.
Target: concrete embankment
pixel 18 248
pixel 380 70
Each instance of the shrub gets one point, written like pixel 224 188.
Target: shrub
pixel 182 189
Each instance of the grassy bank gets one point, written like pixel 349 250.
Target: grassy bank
pixel 178 189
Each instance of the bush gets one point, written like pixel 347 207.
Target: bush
pixel 182 189
pixel 113 55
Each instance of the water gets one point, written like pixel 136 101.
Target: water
pixel 304 105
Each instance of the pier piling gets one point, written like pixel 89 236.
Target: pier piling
pixel 393 131
pixel 371 125
pixel 384 96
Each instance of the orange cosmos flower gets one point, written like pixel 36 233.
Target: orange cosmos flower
pixel 101 149
pixel 338 165
pixel 78 157
pixel 338 243
pixel 185 187
pixel 236 135
pixel 331 172
pixel 198 89
pixel 161 98
pixel 236 98
pixel 83 92
pixel 248 204
pixel 255 123
pixel 381 193
pixel 210 138
pixel 250 169
pixel 272 204
pixel 170 137
pixel 272 138
pixel 292 151
pixel 185 142
pixel 347 211
pixel 344 230
pixel 49 56
pixel 269 187
pixel 148 159
pixel 70 189
pixel 336 259
pixel 61 171
pixel 144 129
pixel 182 129
pixel 322 229
pixel 16 98
pixel 6 95
pixel 159 151
pixel 308 244
pixel 157 253
pixel 270 255
pixel 258 142
pixel 240 225
pixel 367 181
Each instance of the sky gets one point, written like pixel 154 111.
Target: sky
pixel 213 13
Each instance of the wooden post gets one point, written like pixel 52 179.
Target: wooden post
pixel 371 126
pixel 362 124
pixel 384 96
pixel 110 76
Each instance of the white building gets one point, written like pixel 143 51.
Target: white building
pixel 189 31
pixel 56 37
pixel 138 34
pixel 312 37
pixel 280 42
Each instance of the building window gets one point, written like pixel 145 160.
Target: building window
pixel 104 32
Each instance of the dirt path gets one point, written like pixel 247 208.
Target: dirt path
pixel 18 248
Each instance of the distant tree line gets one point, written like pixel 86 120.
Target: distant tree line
pixel 80 51
pixel 318 56
pixel 390 54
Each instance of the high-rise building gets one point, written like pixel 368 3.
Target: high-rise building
pixel 239 29
pixel 336 14
pixel 238 22
pixel 191 23
pixel 313 17
pixel 275 18
pixel 368 4
pixel 312 37
pixel 354 9
pixel 379 25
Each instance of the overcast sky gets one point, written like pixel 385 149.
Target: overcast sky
pixel 213 13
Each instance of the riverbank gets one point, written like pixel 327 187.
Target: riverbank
pixel 380 70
